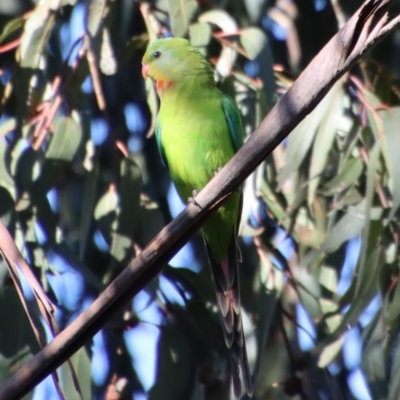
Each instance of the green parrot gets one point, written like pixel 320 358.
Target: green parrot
pixel 198 130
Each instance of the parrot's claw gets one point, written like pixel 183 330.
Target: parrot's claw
pixel 216 172
pixel 192 199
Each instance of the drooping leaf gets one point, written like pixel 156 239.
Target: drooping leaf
pixel 330 352
pixel 181 13
pixel 174 364
pixel 253 41
pixel 348 175
pixel 257 47
pixel 324 139
pixel 228 25
pixel 391 127
pixel 11 27
pixel 66 140
pixel 108 62
pixel 105 213
pixel 394 391
pixel 95 16
pixel 301 138
pixel 37 30
pixel 82 366
pixel 200 34
pixel 373 359
pixel 348 227
pixel 128 212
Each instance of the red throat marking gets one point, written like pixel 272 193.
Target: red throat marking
pixel 162 85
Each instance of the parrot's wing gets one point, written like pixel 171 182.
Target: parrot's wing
pixel 234 121
pixel 160 147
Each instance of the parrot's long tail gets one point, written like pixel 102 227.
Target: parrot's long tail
pixel 226 279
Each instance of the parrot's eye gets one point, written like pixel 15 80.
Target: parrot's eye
pixel 157 54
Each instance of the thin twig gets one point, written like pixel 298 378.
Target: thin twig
pixel 95 73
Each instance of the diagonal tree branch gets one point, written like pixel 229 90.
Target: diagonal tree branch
pixel 366 27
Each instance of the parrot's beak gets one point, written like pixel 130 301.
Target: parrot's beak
pixel 145 69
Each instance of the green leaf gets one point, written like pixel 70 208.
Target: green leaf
pixel 324 139
pixel 220 18
pixel 6 205
pixel 108 63
pixel 24 164
pixel 347 176
pixel 95 16
pixel 11 27
pixel 361 299
pixel 328 277
pixel 174 364
pixel 192 282
pixel 200 34
pixel 256 44
pixel 330 352
pixel 348 227
pixel 150 222
pixel 105 214
pixel 369 236
pixel 253 41
pixel 37 31
pixel 15 349
pixel 66 140
pixel 12 363
pixel 301 138
pixel 394 309
pixel 374 363
pixel 5 177
pixel 89 201
pixel 131 184
pixel 181 13
pixel 106 205
pixel 128 212
pixel 82 366
pixel 391 126
pixel 394 390
pixel 367 279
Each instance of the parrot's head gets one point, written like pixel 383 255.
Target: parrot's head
pixel 174 62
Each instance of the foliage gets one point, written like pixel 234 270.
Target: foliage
pixel 82 191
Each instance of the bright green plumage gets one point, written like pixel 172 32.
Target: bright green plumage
pixel 198 131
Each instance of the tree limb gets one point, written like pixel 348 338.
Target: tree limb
pixel 366 27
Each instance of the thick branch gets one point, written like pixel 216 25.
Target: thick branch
pixel 367 26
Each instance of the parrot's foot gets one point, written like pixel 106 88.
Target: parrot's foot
pixel 192 199
pixel 216 172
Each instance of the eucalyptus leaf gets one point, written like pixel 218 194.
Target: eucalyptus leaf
pixel 174 365
pixel 253 41
pixel 324 139
pixel 95 16
pixel 11 27
pixel 330 352
pixel 181 14
pixel 394 391
pixel 37 30
pixel 301 138
pixel 82 366
pixel 391 126
pixel 373 358
pixel 346 177
pixel 348 227
pixel 66 140
pixel 200 34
